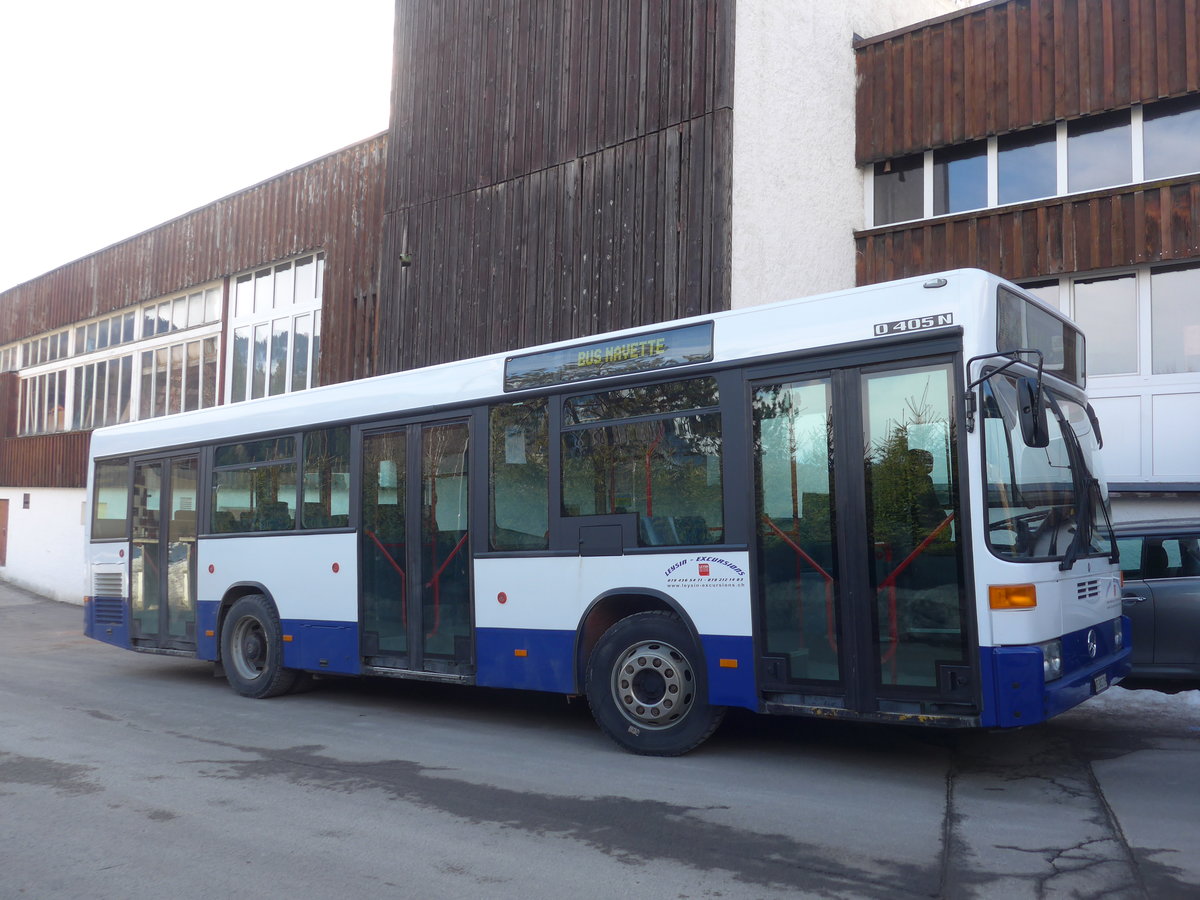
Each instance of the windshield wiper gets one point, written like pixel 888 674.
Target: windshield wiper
pixel 1083 524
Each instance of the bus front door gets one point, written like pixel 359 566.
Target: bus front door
pixel 162 564
pixel 861 582
pixel 415 597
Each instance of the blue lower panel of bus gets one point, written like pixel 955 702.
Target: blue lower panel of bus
pixel 104 619
pixel 1019 694
pixel 537 660
pixel 322 646
pixel 319 646
pixel 525 658
pixel 730 670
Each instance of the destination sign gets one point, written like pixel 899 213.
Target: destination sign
pixel 616 356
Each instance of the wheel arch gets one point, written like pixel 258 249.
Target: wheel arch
pixel 234 593
pixel 616 604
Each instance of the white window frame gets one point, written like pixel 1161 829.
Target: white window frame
pixel 1062 173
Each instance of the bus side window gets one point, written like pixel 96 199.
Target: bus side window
pixel 648 450
pixel 326 484
pixel 110 500
pixel 254 486
pixel 518 476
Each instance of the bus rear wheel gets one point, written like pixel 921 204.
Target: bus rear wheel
pixel 252 649
pixel 646 689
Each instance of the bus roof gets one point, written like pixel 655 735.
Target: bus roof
pixel 811 322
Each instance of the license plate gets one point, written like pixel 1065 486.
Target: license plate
pixel 1100 683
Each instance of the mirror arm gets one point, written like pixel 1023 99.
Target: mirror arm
pixel 1013 357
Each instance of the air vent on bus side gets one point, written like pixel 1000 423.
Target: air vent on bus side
pixel 106 584
pixel 108 611
pixel 1088 590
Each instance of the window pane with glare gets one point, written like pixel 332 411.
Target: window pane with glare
pixel 1027 165
pixel 1175 320
pixel 1106 311
pixel 1099 152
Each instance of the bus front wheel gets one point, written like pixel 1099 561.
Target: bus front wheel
pixel 252 649
pixel 645 687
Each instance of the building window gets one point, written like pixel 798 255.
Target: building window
pixel 111 331
pixel 899 189
pixel 1106 310
pixel 103 392
pixel 1171 138
pixel 181 312
pixel 960 178
pixel 1175 320
pixel 276 329
pixel 1099 152
pixel 47 348
pixel 1045 290
pixel 178 378
pixel 43 403
pixel 1027 165
pixel 108 381
pixel 1142 143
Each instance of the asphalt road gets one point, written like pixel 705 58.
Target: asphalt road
pixel 124 775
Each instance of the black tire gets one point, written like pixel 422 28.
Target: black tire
pixel 252 649
pixel 647 689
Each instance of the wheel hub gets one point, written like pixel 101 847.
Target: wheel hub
pixel 653 684
pixel 251 653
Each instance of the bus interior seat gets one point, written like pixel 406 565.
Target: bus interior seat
pixel 275 516
pixel 315 516
pixel 662 531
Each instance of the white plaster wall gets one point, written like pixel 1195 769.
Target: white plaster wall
pixel 45 542
pixel 797 194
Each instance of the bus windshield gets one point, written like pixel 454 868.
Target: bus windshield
pixel 1043 503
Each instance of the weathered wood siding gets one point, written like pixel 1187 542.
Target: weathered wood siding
pixel 1005 66
pixel 557 169
pixel 334 204
pixel 1106 229
pixel 48 460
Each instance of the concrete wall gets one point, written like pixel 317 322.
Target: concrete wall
pixel 797 194
pixel 45 542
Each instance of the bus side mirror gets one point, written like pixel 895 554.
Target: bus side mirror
pixel 1032 412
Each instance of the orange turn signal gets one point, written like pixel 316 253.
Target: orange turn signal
pixel 1012 596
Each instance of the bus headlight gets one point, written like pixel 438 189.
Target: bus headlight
pixel 1118 635
pixel 1051 659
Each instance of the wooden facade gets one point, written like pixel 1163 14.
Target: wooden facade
pixel 1014 64
pixel 1084 232
pixel 333 204
pixel 557 170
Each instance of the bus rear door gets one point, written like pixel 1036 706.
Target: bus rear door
pixel 162 564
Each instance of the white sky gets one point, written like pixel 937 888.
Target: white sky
pixel 118 115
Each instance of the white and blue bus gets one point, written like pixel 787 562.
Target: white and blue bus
pixel 881 504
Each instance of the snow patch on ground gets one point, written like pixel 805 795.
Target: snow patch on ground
pixel 1148 709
